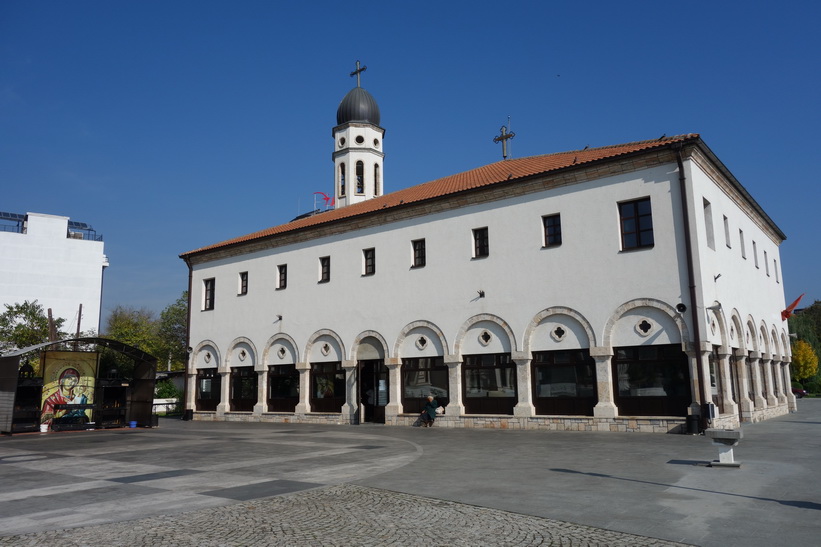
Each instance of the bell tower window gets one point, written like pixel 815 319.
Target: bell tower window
pixel 341 179
pixel 360 177
pixel 376 179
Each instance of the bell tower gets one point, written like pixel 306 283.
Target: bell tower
pixel 358 152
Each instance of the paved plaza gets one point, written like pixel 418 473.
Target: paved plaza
pixel 199 483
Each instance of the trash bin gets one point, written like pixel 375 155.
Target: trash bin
pixel 692 425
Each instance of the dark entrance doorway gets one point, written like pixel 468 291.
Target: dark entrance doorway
pixel 373 390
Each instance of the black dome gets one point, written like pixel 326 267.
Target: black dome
pixel 357 106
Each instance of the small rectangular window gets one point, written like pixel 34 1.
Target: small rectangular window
pixel 209 286
pixel 766 264
pixel 481 246
pixel 552 230
pixel 775 269
pixel 727 233
pixel 324 269
pixel 636 220
pixel 419 258
pixel 243 283
pixel 708 224
pixel 755 254
pixel 368 261
pixel 282 276
pixel 741 244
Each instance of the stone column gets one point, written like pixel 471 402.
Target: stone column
pixel 456 406
pixel 778 379
pixel 700 359
pixel 304 404
pixel 262 392
pixel 744 385
pixel 730 404
pixel 758 399
pixel 394 406
pixel 606 407
pixel 785 371
pixel 350 410
pixel 767 373
pixel 191 391
pixel 524 386
pixel 225 393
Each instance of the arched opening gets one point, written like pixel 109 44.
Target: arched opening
pixel 360 177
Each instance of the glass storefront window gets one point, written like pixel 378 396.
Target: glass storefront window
pixel 243 389
pixel 489 384
pixel 651 380
pixel 327 387
pixel 208 389
pixel 422 377
pixel 283 388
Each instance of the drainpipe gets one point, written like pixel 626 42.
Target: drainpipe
pixel 691 277
pixel 185 411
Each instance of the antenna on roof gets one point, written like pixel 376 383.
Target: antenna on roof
pixel 503 137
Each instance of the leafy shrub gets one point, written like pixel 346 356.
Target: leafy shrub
pixel 165 389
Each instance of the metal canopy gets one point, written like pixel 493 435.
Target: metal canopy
pixel 141 399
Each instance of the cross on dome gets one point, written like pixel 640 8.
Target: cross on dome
pixel 357 72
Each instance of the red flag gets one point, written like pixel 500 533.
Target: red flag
pixel 786 314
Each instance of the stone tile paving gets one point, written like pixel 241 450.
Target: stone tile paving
pixel 338 515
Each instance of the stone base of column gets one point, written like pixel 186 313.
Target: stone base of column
pixel 524 410
pixel 349 413
pixel 222 408
pixel 393 409
pixel 259 408
pixel 455 409
pixel 605 410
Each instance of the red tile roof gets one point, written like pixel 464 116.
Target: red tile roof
pixel 486 175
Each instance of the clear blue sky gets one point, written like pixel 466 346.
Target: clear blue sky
pixel 170 125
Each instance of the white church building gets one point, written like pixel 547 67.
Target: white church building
pixel 56 261
pixel 633 287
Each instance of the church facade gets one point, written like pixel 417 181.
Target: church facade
pixel 634 287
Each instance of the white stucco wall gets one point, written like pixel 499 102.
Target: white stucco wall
pixel 743 289
pixel 59 272
pixel 588 273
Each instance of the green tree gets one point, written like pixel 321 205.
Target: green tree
pixel 804 361
pixel 172 332
pixel 807 326
pixel 135 327
pixel 26 324
pixel 132 326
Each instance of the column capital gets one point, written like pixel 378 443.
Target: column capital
pixel 452 360
pixel 601 351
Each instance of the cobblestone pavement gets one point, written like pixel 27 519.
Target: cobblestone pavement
pixel 338 515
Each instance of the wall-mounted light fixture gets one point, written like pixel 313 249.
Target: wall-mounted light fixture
pixel 481 293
